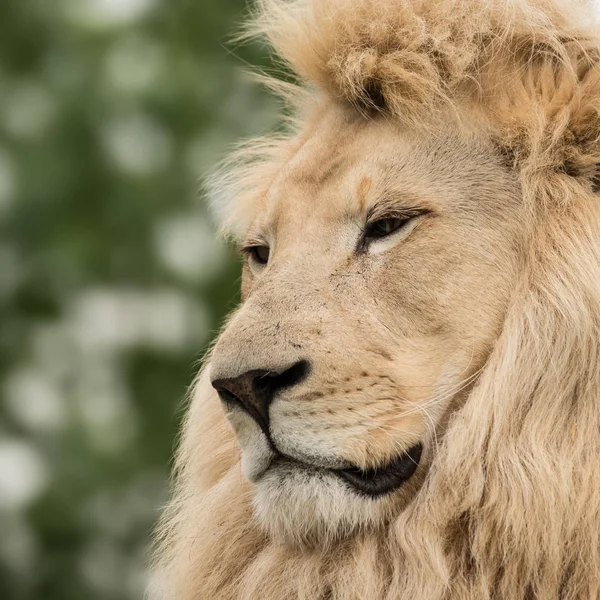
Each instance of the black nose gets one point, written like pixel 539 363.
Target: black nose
pixel 254 390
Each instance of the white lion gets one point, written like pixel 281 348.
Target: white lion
pixel 412 381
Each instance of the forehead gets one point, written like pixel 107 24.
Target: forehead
pixel 344 163
pixel 333 168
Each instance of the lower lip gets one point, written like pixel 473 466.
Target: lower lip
pixel 386 479
pixel 374 482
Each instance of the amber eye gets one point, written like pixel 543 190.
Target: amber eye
pixel 384 227
pixel 259 254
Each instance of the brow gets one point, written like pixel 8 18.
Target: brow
pixel 396 205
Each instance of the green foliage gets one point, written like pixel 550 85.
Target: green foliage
pixel 111 280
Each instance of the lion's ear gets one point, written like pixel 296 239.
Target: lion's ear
pixel 531 66
pixel 574 116
pixel 547 115
pixel 371 97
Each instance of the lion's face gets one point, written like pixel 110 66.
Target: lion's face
pixel 377 274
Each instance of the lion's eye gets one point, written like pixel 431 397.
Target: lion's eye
pixel 384 227
pixel 259 254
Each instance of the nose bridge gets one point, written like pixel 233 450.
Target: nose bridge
pixel 310 243
pixel 269 332
pixel 276 325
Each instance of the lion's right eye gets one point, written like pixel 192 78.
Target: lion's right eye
pixel 259 254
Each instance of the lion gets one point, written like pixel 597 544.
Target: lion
pixel 406 404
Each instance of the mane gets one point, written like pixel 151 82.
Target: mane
pixel 510 508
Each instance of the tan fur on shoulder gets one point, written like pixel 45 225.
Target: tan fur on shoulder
pixel 510 506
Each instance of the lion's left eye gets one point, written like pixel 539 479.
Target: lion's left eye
pixel 384 227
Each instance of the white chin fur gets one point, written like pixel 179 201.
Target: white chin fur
pixel 305 507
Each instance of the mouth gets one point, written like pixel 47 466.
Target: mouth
pixel 382 480
pixel 371 482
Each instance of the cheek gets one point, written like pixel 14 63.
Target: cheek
pixel 420 363
pixel 436 287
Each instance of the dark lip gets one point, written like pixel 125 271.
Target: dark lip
pixel 382 480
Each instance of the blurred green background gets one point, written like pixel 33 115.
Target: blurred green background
pixel 112 281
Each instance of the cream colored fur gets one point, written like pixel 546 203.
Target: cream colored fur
pixel 490 112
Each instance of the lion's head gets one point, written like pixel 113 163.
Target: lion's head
pixel 411 381
pixel 379 266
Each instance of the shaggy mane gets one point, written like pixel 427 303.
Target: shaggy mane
pixel 510 508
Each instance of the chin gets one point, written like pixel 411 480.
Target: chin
pixel 304 506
